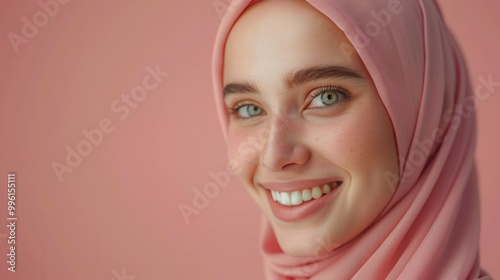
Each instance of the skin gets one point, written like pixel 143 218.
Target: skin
pixel 292 136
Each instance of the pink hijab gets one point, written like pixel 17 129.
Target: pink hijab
pixel 430 228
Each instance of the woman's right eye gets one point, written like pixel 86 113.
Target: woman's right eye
pixel 247 111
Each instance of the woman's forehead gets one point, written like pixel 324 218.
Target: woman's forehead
pixel 279 37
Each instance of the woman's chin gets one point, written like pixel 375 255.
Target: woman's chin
pixel 308 238
pixel 305 242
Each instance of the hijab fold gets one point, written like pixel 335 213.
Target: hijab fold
pixel 430 228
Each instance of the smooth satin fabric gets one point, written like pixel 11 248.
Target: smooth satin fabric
pixel 430 228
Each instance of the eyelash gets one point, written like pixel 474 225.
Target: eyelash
pixel 233 111
pixel 345 95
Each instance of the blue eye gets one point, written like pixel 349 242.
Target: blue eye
pixel 329 96
pixel 248 111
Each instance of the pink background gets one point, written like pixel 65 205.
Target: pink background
pixel 116 214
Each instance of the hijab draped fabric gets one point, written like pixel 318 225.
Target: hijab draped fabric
pixel 430 228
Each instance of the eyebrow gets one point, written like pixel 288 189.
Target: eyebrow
pixel 298 77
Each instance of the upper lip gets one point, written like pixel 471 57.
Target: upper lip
pixel 297 185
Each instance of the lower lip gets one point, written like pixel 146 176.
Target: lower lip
pixel 302 211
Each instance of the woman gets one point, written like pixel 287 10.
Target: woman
pixel 350 124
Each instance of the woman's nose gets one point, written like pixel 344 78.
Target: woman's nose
pixel 283 146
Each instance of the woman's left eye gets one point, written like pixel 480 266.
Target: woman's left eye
pixel 328 97
pixel 249 110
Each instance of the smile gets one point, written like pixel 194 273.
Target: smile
pixel 296 198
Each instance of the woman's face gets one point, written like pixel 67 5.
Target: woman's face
pixel 308 135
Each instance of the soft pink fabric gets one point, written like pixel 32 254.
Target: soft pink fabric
pixel 430 229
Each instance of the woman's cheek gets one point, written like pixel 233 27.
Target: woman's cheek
pixel 342 145
pixel 365 136
pixel 242 150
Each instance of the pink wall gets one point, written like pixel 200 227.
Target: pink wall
pixel 116 213
pixel 476 27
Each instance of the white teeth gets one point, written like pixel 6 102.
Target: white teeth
pixel 326 188
pixel 298 197
pixel 285 198
pixel 306 195
pixel 316 192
